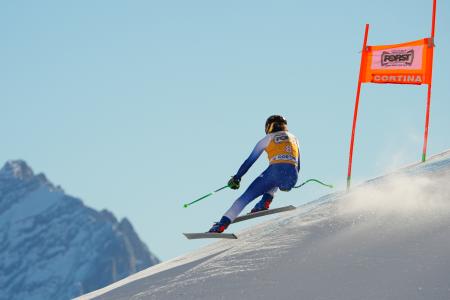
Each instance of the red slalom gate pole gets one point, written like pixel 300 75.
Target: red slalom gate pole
pixel 427 117
pixel 355 113
pixel 427 122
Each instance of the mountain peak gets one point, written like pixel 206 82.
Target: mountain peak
pixel 18 169
pixel 66 248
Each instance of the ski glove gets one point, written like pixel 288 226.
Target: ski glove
pixel 234 183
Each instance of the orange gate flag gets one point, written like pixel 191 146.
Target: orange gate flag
pixel 407 63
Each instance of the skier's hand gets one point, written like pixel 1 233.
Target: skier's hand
pixel 234 183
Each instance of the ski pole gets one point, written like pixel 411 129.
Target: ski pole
pixel 206 196
pixel 313 180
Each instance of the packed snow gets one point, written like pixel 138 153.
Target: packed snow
pixel 386 239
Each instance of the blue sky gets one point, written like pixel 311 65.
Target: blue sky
pixel 141 106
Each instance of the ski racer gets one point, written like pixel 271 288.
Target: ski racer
pixel 284 164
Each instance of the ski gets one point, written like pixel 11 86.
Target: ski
pixel 209 235
pixel 212 235
pixel 263 213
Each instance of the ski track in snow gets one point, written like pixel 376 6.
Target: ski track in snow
pixel 387 239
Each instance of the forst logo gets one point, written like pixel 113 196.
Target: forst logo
pixel 280 138
pixel 397 58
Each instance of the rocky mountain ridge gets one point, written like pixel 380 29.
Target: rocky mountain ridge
pixel 52 246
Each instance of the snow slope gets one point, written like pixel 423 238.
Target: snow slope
pixel 387 239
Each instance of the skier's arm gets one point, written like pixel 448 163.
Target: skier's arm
pixel 259 148
pixel 298 158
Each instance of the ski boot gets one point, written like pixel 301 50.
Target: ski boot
pixel 220 226
pixel 264 204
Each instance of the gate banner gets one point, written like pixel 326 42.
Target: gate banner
pixel 407 63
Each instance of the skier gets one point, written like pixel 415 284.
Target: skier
pixel 284 164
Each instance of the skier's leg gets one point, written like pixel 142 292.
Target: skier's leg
pixel 259 186
pixel 265 201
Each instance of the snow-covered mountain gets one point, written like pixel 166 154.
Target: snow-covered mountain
pixel 54 247
pixel 387 239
